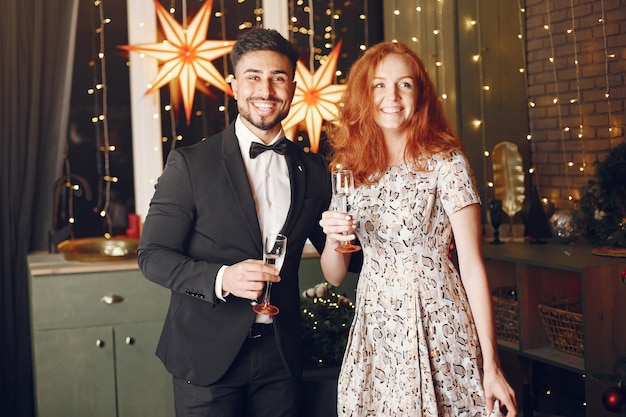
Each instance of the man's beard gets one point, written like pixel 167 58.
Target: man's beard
pixel 262 122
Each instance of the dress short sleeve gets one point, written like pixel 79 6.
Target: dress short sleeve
pixel 455 183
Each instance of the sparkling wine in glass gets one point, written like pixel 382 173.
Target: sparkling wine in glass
pixel 343 187
pixel 274 249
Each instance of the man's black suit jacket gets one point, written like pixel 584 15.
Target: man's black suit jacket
pixel 203 216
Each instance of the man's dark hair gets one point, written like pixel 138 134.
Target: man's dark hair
pixel 259 39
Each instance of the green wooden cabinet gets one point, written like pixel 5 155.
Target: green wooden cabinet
pixel 95 329
pixel 74 376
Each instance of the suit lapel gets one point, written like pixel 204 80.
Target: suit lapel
pixel 236 172
pixel 297 179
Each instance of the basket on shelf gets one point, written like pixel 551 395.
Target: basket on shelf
pixel 563 322
pixel 505 312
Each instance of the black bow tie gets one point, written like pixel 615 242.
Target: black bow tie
pixel 257 148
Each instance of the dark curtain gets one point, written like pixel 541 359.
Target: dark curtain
pixel 36 56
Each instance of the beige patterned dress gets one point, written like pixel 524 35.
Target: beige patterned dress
pixel 413 348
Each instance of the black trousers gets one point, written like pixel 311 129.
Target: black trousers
pixel 256 385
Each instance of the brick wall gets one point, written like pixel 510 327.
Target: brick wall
pixel 563 161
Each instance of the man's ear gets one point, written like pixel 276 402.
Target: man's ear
pixel 233 86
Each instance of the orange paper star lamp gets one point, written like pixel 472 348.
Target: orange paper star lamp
pixel 316 99
pixel 186 54
pixel 175 93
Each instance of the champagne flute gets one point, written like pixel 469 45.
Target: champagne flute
pixel 343 186
pixel 274 250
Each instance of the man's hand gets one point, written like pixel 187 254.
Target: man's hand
pixel 246 279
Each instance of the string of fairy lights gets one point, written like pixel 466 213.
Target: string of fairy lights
pixel 435 37
pixel 607 57
pixel 417 40
pixel 418 36
pixel 302 23
pixel 168 107
pixel 522 70
pixel 428 29
pixel 569 120
pixel 565 130
pixel 556 99
pixel 578 99
pixel 310 33
pixel 100 119
pixel 477 58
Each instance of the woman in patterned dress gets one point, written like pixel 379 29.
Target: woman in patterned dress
pixel 423 339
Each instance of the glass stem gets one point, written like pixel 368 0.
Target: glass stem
pixel 266 294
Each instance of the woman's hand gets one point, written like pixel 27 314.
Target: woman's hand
pixel 339 227
pixel 334 264
pixel 497 388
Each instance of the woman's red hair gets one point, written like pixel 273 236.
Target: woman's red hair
pixel 357 141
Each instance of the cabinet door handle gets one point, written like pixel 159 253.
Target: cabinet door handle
pixel 112 299
pixel 100 343
pixel 130 341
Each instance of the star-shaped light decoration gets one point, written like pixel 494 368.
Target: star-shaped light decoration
pixel 186 54
pixel 316 99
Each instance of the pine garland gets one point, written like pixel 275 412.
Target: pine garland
pixel 326 320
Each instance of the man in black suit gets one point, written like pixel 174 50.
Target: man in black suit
pixel 202 239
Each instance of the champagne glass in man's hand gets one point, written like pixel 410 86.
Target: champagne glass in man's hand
pixel 274 249
pixel 343 186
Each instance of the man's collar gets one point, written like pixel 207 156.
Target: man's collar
pixel 246 137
